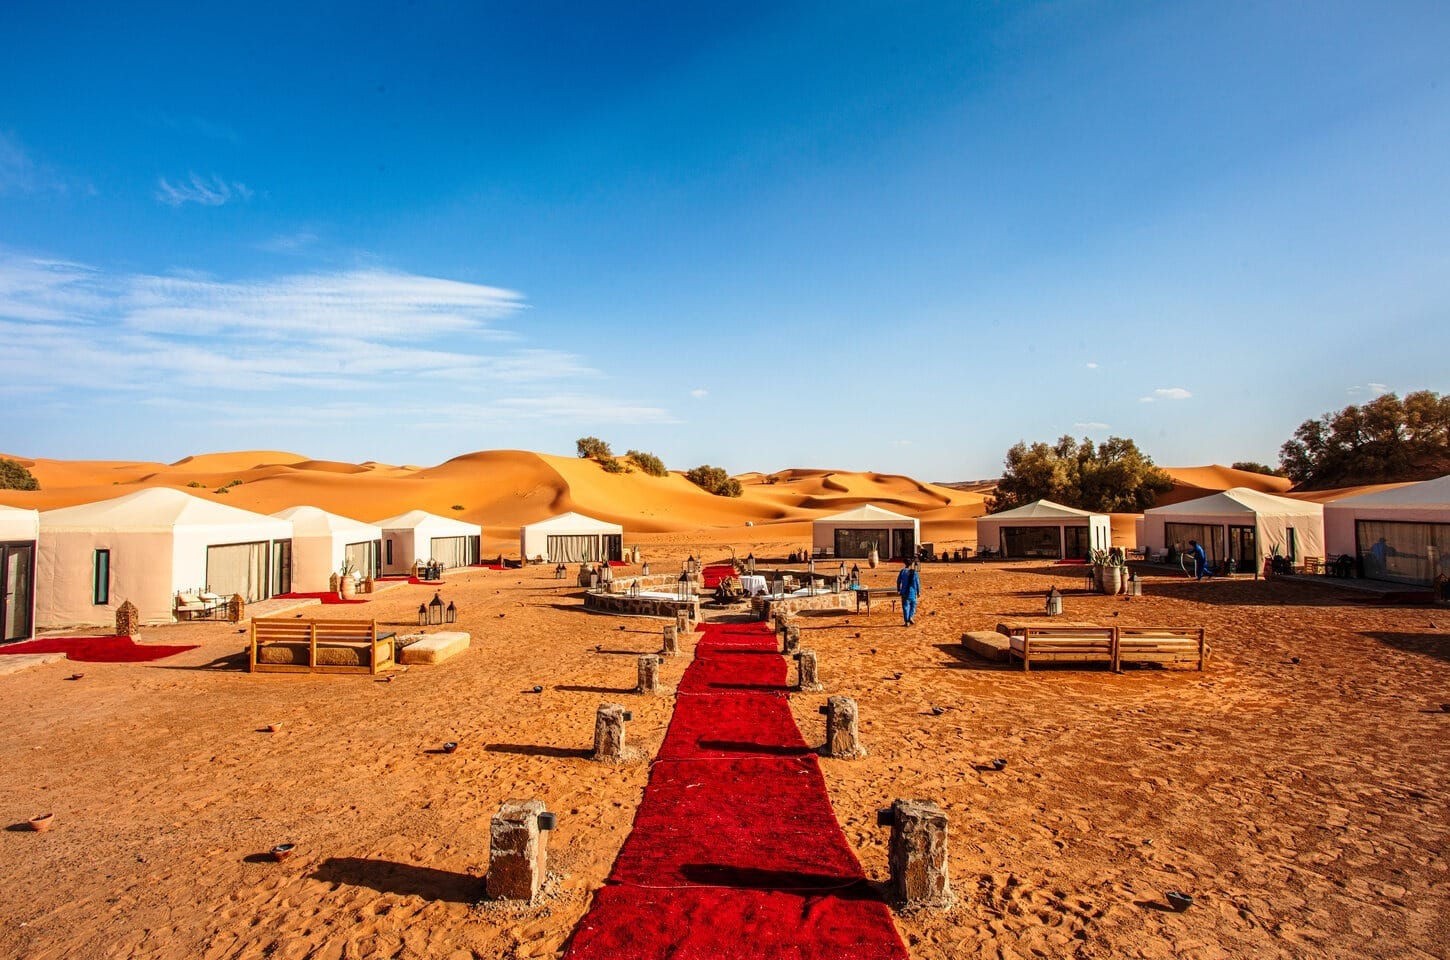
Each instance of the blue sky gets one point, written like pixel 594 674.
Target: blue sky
pixel 887 236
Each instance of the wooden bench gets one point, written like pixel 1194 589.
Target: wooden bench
pixel 1162 645
pixel 1064 643
pixel 290 645
pixel 867 594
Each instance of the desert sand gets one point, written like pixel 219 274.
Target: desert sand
pixel 1303 805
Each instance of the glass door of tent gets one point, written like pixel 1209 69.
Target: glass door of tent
pixel 1243 549
pixel 903 543
pixel 613 546
pixel 17 583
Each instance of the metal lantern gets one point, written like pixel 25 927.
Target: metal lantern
pixel 842 574
pixel 644 569
pixel 682 586
pixel 634 588
pixel 435 609
pixel 450 615
pixel 422 614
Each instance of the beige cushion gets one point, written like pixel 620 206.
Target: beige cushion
pixel 432 647
pixel 988 644
pixel 351 655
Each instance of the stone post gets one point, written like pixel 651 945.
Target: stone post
pixel 237 608
pixel 518 850
pixel 672 640
pixel 842 738
pixel 649 674
pixel 128 620
pixel 806 676
pixel 682 621
pixel 792 640
pixel 917 854
pixel 609 732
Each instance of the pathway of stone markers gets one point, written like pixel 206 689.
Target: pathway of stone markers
pixel 735 851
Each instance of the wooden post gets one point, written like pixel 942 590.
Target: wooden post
pixel 518 851
pixel 609 732
pixel 672 641
pixel 917 854
pixel 842 738
pixel 806 676
pixel 649 674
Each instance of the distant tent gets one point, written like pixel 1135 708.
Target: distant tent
pixel 148 546
pixel 1241 525
pixel 19 532
pixel 1401 535
pixel 852 533
pixel 419 536
pixel 571 538
pixel 1044 529
pixel 323 542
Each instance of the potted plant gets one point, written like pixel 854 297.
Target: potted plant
pixel 1108 567
pixel 873 556
pixel 346 583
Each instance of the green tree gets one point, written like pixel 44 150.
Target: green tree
pixel 1384 440
pixel 715 480
pixel 1113 476
pixel 15 476
pixel 592 448
pixel 648 462
pixel 1250 466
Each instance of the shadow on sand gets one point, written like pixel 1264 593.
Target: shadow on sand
pixel 404 879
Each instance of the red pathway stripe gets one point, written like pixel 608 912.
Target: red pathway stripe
pixel 736 851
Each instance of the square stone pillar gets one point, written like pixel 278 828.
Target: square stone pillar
pixel 792 640
pixel 671 646
pixel 517 851
pixel 649 674
pixel 609 722
pixel 682 622
pixel 806 676
pixel 128 620
pixel 842 737
pixel 917 854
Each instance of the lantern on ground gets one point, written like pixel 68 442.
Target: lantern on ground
pixel 435 609
pixel 450 615
pixel 682 586
pixel 422 614
pixel 634 588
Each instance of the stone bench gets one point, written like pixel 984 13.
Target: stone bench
pixel 429 648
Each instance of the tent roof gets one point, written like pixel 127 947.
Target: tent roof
pixel 1042 510
pixel 1241 501
pixel 574 521
pixel 1430 493
pixel 315 522
pixel 418 518
pixel 157 508
pixel 18 523
pixel 867 512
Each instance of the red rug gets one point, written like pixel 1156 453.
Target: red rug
pixel 426 583
pixel 715 573
pixel 97 649
pixel 325 597
pixel 735 851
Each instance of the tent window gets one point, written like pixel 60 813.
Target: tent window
pixel 362 557
pixel 281 566
pixel 101 578
pixel 388 547
pixel 238 568
pixel 1293 545
pixel 450 551
pixel 1403 551
pixel 851 542
pixel 17 570
pixel 579 548
pixel 1031 542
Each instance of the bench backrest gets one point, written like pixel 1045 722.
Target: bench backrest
pixel 279 629
pixel 1161 633
pixel 1102 634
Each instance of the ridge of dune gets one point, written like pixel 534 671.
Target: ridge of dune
pixel 1215 476
pixel 236 460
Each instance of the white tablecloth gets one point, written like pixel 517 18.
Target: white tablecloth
pixel 754 586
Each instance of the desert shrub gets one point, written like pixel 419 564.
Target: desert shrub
pixel 613 465
pixel 1250 466
pixel 15 476
pixel 234 483
pixel 648 462
pixel 196 484
pixel 222 490
pixel 715 480
pixel 592 448
pixel 458 506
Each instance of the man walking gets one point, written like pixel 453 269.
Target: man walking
pixel 908 586
pixel 1200 560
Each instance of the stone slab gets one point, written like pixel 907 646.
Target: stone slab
pixel 433 647
pixel 15 662
pixel 987 644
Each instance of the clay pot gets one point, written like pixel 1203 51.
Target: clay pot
pixel 346 587
pixel 42 823
pixel 873 559
pixel 282 851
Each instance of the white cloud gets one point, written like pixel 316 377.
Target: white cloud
pixel 1092 425
pixel 1166 393
pixel 1091 364
pixel 210 191
pixel 289 242
pixel 900 443
pixel 21 174
pixel 699 393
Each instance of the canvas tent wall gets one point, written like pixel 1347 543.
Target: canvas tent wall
pixel 571 538
pixel 1400 535
pixel 19 531
pixel 323 542
pixel 1044 529
pixel 851 534
pixel 1239 524
pixel 419 536
pixel 146 547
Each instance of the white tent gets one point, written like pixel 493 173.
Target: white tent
pixel 1239 524
pixel 852 533
pixel 323 542
pixel 421 536
pixel 1401 535
pixel 571 538
pixel 19 531
pixel 146 547
pixel 1044 529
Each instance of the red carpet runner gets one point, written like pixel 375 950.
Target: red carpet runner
pixel 736 852
pixel 97 649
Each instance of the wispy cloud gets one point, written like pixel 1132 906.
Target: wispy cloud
pixel 1092 425
pixel 1370 390
pixel 1091 364
pixel 699 393
pixel 199 126
pixel 298 344
pixel 289 242
pixel 21 174
pixel 210 191
pixel 1166 393
pixel 900 443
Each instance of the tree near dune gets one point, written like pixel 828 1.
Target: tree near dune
pixel 715 480
pixel 648 462
pixel 1385 440
pixel 15 476
pixel 1250 466
pixel 1113 476
pixel 592 448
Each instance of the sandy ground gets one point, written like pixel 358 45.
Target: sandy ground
pixel 1304 806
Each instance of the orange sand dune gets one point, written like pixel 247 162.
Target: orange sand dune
pixel 237 460
pixel 1339 493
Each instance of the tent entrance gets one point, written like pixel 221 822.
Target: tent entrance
pixel 903 543
pixel 1078 543
pixel 851 542
pixel 363 557
pixel 281 566
pixel 613 546
pixel 576 548
pixel 454 551
pixel 239 568
pixel 17 589
pixel 1031 542
pixel 1209 536
pixel 1243 549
